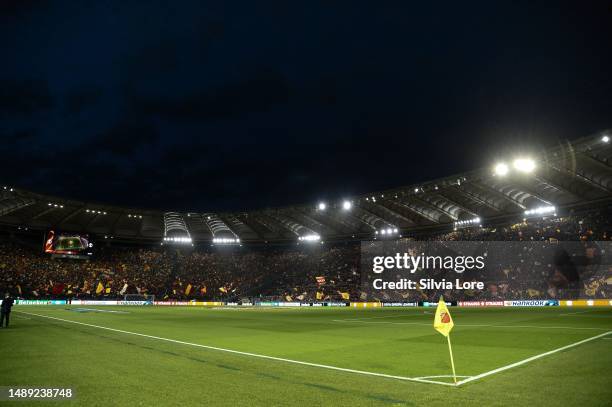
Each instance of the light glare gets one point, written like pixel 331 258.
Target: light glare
pixel 501 169
pixel 525 165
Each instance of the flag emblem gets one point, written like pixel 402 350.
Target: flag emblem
pixel 445 317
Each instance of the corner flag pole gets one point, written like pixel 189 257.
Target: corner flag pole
pixel 450 350
pixel 443 323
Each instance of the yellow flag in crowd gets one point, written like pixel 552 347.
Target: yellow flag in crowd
pixel 443 322
pixel 108 290
pixel 345 296
pixel 319 295
pixel 99 288
pixel 188 289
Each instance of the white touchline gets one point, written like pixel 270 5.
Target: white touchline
pixel 524 361
pixel 255 355
pixel 574 313
pixel 470 325
pixel 99 310
pixel 386 316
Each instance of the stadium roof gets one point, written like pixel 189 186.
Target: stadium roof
pixel 566 177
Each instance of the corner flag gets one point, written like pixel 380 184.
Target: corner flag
pixel 443 323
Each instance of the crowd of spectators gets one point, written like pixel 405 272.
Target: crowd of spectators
pixel 321 272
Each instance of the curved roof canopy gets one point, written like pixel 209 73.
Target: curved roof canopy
pixel 564 177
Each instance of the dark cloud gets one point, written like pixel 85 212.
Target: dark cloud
pixel 19 97
pixel 81 99
pixel 219 106
pixel 254 94
pixel 16 8
pixel 124 139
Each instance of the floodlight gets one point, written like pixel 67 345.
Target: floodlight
pixel 322 206
pixel 524 165
pixel 501 169
pixel 346 205
pixel 605 139
pixel 541 210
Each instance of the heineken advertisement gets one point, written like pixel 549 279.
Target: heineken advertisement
pixel 40 302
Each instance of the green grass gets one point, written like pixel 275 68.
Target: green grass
pixel 114 368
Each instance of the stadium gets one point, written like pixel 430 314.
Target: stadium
pixel 278 304
pixel 305 203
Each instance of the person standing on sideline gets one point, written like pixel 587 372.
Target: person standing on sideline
pixel 7 303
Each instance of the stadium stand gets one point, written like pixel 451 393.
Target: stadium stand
pixel 277 273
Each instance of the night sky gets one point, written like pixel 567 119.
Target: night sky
pixel 245 105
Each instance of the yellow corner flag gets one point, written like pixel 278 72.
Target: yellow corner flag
pixel 443 323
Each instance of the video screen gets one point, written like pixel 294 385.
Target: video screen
pixel 74 245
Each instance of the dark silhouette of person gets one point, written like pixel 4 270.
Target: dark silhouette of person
pixel 7 304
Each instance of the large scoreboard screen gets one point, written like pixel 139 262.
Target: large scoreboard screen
pixel 73 245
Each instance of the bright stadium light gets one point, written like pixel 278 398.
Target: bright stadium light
pixel 310 238
pixel 177 239
pixel 525 165
pixel 501 169
pixel 346 205
pixel 466 223
pixel 322 206
pixel 387 231
pixel 541 211
pixel 226 240
pixel 605 139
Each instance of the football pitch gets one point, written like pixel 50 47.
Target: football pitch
pixel 315 356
